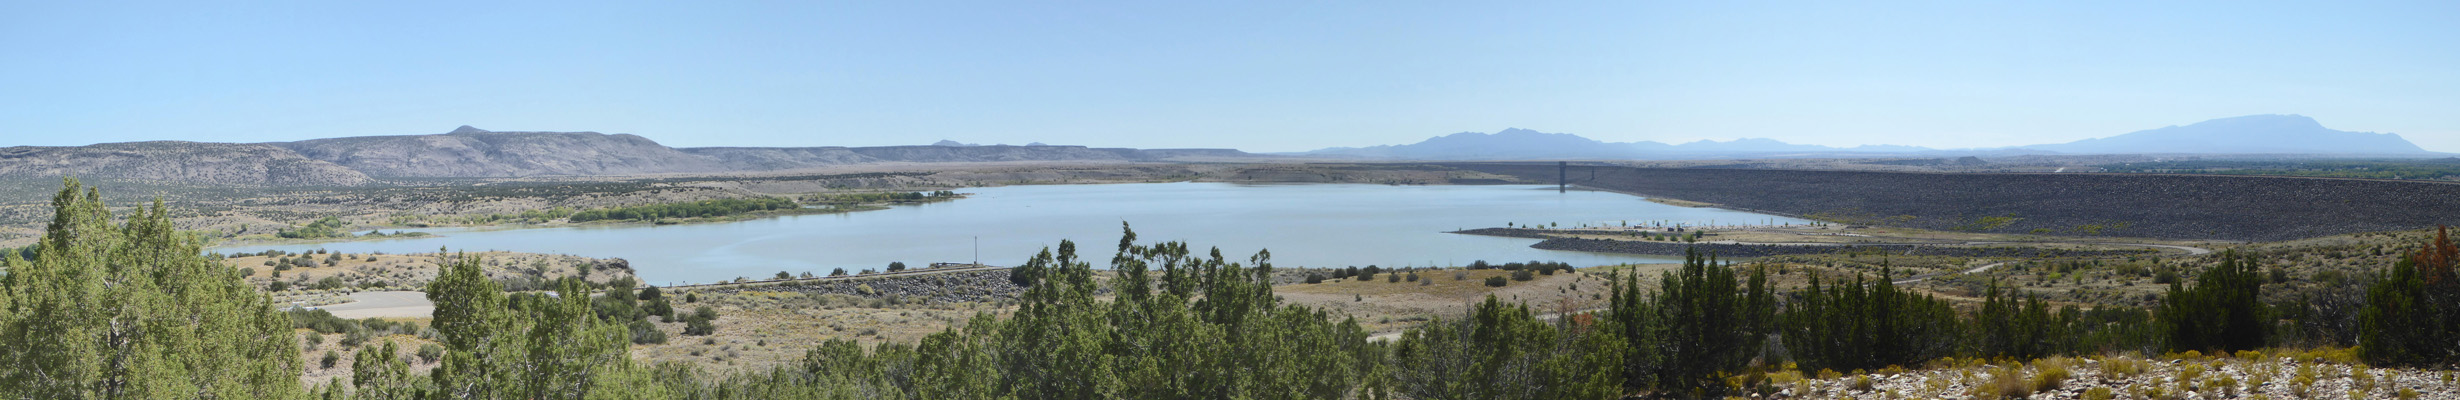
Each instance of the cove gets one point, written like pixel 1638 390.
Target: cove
pixel 1309 225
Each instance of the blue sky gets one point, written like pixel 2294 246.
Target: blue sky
pixel 1264 76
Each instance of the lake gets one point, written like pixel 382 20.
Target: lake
pixel 1315 225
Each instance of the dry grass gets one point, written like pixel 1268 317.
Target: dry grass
pixel 1385 306
pixel 413 271
pixel 314 372
pixel 757 330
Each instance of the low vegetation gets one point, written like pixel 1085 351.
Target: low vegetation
pixel 327 227
pixel 853 199
pixel 696 209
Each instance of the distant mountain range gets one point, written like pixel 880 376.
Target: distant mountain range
pixel 2254 134
pixel 476 153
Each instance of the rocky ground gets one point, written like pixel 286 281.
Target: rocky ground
pixel 2322 374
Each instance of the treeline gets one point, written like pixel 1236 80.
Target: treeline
pixel 327 227
pixel 1710 322
pixel 1549 267
pixel 882 197
pixel 695 209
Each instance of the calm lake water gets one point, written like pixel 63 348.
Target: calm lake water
pixel 1318 225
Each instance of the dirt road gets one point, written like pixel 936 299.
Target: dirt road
pixel 385 305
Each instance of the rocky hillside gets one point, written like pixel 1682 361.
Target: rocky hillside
pixel 476 153
pixel 2158 206
pixel 178 162
pixel 473 152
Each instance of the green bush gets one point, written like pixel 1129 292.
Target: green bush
pixel 702 322
pixel 431 352
pixel 357 337
pixel 1867 325
pixel 2406 315
pixel 658 307
pixel 1503 351
pixel 2223 311
pixel 1496 281
pixel 645 333
pixel 697 326
pixel 321 321
pixel 326 227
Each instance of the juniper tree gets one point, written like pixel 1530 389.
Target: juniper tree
pixel 135 310
pixel 2222 312
pixel 2410 314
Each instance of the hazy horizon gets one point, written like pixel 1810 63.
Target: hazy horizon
pixel 1266 77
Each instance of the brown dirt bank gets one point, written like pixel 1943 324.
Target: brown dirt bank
pixel 1765 250
pixel 2156 206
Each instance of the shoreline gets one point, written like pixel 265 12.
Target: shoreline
pixel 522 226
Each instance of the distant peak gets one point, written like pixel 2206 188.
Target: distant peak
pixel 1518 131
pixel 466 129
pixel 2276 120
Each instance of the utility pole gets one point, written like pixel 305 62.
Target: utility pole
pixel 977 251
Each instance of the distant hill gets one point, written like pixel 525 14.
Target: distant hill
pixel 2253 134
pixel 477 153
pixel 180 162
pixel 1524 144
pixel 1508 144
pixel 775 158
pixel 473 152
